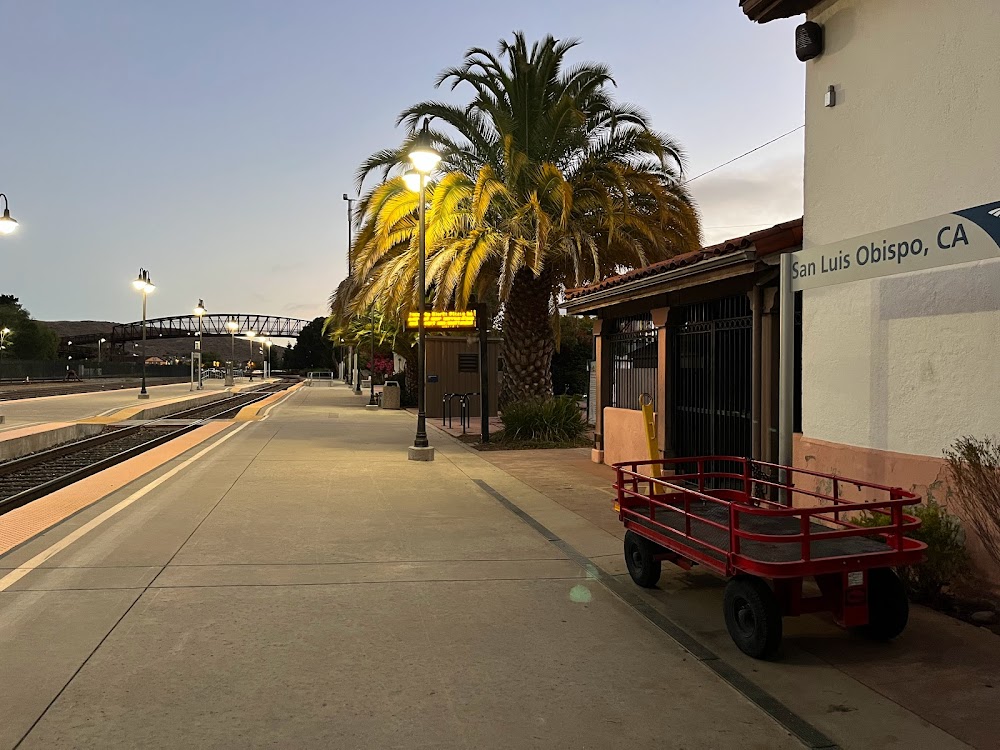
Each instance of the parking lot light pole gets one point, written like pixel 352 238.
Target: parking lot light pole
pixel 424 159
pixel 200 312
pixel 232 326
pixel 99 342
pixel 142 283
pixel 4 332
pixel 250 337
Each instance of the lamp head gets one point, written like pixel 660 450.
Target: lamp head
pixel 200 309
pixel 142 282
pixel 232 326
pixel 251 333
pixel 411 178
pixel 7 224
pixel 422 155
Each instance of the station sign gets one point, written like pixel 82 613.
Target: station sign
pixel 972 234
pixel 443 321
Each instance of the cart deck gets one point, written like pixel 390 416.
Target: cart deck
pixel 739 515
pixel 706 518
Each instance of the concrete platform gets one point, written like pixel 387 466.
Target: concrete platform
pixel 80 406
pixel 297 582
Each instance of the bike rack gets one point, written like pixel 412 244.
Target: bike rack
pixel 465 417
pixel 446 404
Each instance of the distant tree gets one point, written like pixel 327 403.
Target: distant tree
pixel 569 363
pixel 311 348
pixel 28 339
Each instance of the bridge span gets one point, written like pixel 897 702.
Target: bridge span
pixel 182 326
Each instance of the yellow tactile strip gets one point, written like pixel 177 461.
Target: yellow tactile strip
pixel 29 520
pixel 248 413
pixel 131 411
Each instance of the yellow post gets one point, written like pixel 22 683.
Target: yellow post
pixel 649 419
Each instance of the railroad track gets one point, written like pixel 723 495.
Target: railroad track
pixel 33 476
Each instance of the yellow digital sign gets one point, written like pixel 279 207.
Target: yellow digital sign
pixel 443 321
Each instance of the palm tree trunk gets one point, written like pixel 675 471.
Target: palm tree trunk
pixel 410 382
pixel 528 339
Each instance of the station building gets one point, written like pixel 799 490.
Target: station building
pixel 898 353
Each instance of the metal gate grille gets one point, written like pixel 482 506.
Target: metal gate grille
pixel 633 361
pixel 711 350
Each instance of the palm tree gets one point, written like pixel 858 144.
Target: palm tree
pixel 546 182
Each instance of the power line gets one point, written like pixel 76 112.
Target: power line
pixel 738 226
pixel 726 164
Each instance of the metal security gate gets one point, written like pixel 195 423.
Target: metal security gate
pixel 711 351
pixel 633 361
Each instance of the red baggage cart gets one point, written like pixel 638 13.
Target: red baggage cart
pixel 756 524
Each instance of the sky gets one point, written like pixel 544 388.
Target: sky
pixel 211 141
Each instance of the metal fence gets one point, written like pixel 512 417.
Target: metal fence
pixel 711 349
pixel 633 361
pixel 21 370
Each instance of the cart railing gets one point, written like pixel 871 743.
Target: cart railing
pixel 641 497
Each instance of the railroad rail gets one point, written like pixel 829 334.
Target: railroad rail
pixel 35 475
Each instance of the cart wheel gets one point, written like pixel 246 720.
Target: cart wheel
pixel 888 608
pixel 753 616
pixel 640 559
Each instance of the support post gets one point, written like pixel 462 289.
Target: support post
pixel 786 367
pixel 484 374
pixel 660 316
pixel 603 358
pixel 755 372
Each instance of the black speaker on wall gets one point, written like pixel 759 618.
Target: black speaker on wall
pixel 808 40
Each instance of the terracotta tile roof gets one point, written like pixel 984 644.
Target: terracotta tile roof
pixel 763 11
pixel 779 238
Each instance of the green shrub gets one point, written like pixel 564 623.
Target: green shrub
pixel 946 558
pixel 553 420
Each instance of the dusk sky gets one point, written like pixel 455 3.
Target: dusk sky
pixel 210 141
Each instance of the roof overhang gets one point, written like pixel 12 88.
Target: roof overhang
pixel 662 282
pixel 763 11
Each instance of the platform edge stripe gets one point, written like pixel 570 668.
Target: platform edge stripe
pixel 21 571
pixel 801 729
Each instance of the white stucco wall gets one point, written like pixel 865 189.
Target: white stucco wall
pixel 910 362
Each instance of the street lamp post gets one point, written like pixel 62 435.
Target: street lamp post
pixel 349 370
pixel 200 312
pixel 143 284
pixel 424 159
pixel 100 341
pixel 267 361
pixel 7 224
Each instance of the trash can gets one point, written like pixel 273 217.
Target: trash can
pixel 390 395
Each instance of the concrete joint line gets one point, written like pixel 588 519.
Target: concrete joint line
pixel 801 729
pixel 20 572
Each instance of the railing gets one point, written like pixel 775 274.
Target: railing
pixel 641 497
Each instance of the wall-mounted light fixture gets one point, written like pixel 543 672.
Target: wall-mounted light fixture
pixel 808 40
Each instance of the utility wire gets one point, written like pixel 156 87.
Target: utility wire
pixel 726 164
